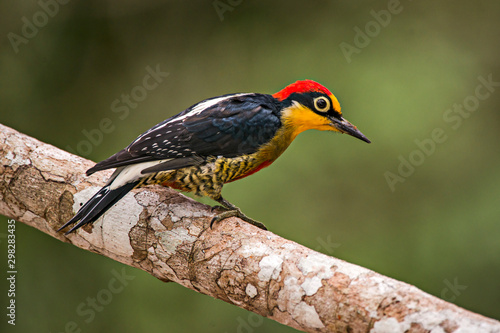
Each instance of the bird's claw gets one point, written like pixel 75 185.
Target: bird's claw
pixel 236 213
pixel 218 207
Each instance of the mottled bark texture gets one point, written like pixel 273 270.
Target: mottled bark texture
pixel 167 235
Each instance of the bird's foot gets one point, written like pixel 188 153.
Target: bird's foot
pixel 236 212
pixel 217 207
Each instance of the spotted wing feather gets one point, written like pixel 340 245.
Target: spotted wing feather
pixel 229 126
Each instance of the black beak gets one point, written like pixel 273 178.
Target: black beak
pixel 344 126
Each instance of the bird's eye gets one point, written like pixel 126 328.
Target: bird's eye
pixel 322 104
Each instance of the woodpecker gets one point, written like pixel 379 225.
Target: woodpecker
pixel 216 141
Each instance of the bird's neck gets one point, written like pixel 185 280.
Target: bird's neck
pixel 295 119
pixel 274 148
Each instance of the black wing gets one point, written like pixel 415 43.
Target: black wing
pixel 229 126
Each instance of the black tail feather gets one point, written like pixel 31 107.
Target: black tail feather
pixel 98 205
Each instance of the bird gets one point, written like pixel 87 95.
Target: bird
pixel 216 141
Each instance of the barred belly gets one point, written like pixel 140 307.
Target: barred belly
pixel 206 179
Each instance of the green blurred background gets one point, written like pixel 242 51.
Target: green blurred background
pixel 438 230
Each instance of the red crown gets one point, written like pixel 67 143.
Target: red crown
pixel 301 87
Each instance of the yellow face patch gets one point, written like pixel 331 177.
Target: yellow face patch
pixel 299 118
pixel 335 103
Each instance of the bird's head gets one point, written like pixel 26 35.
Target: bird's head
pixel 309 105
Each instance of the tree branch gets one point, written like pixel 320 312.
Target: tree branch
pixel 167 235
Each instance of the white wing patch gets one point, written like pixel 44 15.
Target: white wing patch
pixel 132 173
pixel 198 108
